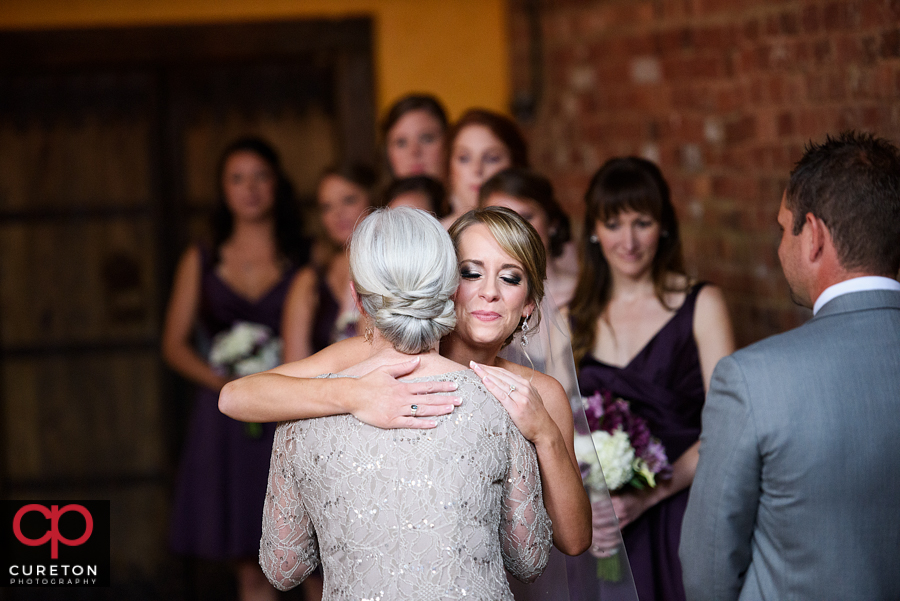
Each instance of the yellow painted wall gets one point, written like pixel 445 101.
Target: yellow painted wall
pixel 455 49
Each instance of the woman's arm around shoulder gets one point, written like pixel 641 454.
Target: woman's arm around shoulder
pixel 288 549
pixel 540 409
pixel 292 391
pixel 181 315
pixel 712 330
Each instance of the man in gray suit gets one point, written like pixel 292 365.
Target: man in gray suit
pixel 797 491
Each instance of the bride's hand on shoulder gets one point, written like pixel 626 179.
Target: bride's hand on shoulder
pixel 386 402
pixel 520 399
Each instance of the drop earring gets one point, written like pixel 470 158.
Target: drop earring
pixel 525 332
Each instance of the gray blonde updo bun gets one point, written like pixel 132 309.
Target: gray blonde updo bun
pixel 403 266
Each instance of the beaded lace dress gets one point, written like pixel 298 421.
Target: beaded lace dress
pixel 407 514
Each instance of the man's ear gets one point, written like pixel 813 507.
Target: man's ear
pixel 356 300
pixel 818 237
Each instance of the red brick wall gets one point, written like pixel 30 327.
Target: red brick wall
pixel 723 94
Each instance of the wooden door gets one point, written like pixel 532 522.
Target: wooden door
pixel 108 146
pixel 79 264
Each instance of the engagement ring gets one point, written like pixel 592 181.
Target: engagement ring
pixel 414 408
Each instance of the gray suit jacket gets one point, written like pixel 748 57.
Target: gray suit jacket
pixel 797 493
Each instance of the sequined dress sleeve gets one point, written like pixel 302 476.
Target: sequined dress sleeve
pixel 407 514
pixel 288 550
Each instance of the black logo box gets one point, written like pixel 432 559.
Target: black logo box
pixel 87 564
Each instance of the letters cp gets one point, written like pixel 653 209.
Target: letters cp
pixel 53 514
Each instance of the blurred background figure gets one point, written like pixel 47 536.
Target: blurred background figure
pixel 419 192
pixel 414 134
pixel 531 195
pixel 646 332
pixel 319 308
pixel 480 144
pixel 229 298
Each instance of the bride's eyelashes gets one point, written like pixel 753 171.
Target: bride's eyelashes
pixel 512 279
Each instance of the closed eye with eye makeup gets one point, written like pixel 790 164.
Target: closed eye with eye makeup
pixel 510 274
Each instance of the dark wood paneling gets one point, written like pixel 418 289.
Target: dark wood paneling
pixel 85 280
pixel 108 146
pixel 354 80
pixel 183 44
pixel 83 417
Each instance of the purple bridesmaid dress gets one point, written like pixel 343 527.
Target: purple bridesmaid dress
pixel 222 478
pixel 326 317
pixel 664 384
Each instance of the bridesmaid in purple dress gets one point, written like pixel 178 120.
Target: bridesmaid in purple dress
pixel 319 309
pixel 230 299
pixel 644 331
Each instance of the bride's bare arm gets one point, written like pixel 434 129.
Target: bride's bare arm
pixel 292 391
pixel 540 409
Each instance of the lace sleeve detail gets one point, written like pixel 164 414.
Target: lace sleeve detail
pixel 525 527
pixel 288 550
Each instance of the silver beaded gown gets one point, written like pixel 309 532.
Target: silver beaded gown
pixel 407 514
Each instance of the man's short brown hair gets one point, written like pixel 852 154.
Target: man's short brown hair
pixel 852 183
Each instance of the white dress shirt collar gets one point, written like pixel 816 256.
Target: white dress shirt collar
pixel 861 284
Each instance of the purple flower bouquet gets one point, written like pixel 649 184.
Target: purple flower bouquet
pixel 618 451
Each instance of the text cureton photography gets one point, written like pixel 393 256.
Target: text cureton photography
pixel 57 543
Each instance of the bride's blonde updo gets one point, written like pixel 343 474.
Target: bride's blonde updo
pixel 403 266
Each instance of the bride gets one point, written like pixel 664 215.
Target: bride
pixel 422 514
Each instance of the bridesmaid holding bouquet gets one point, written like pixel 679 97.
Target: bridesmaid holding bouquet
pixel 644 331
pixel 229 298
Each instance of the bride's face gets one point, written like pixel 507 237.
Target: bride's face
pixel 493 289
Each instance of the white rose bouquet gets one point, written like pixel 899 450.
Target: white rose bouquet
pixel 247 348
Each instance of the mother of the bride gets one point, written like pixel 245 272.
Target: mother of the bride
pixel 414 514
